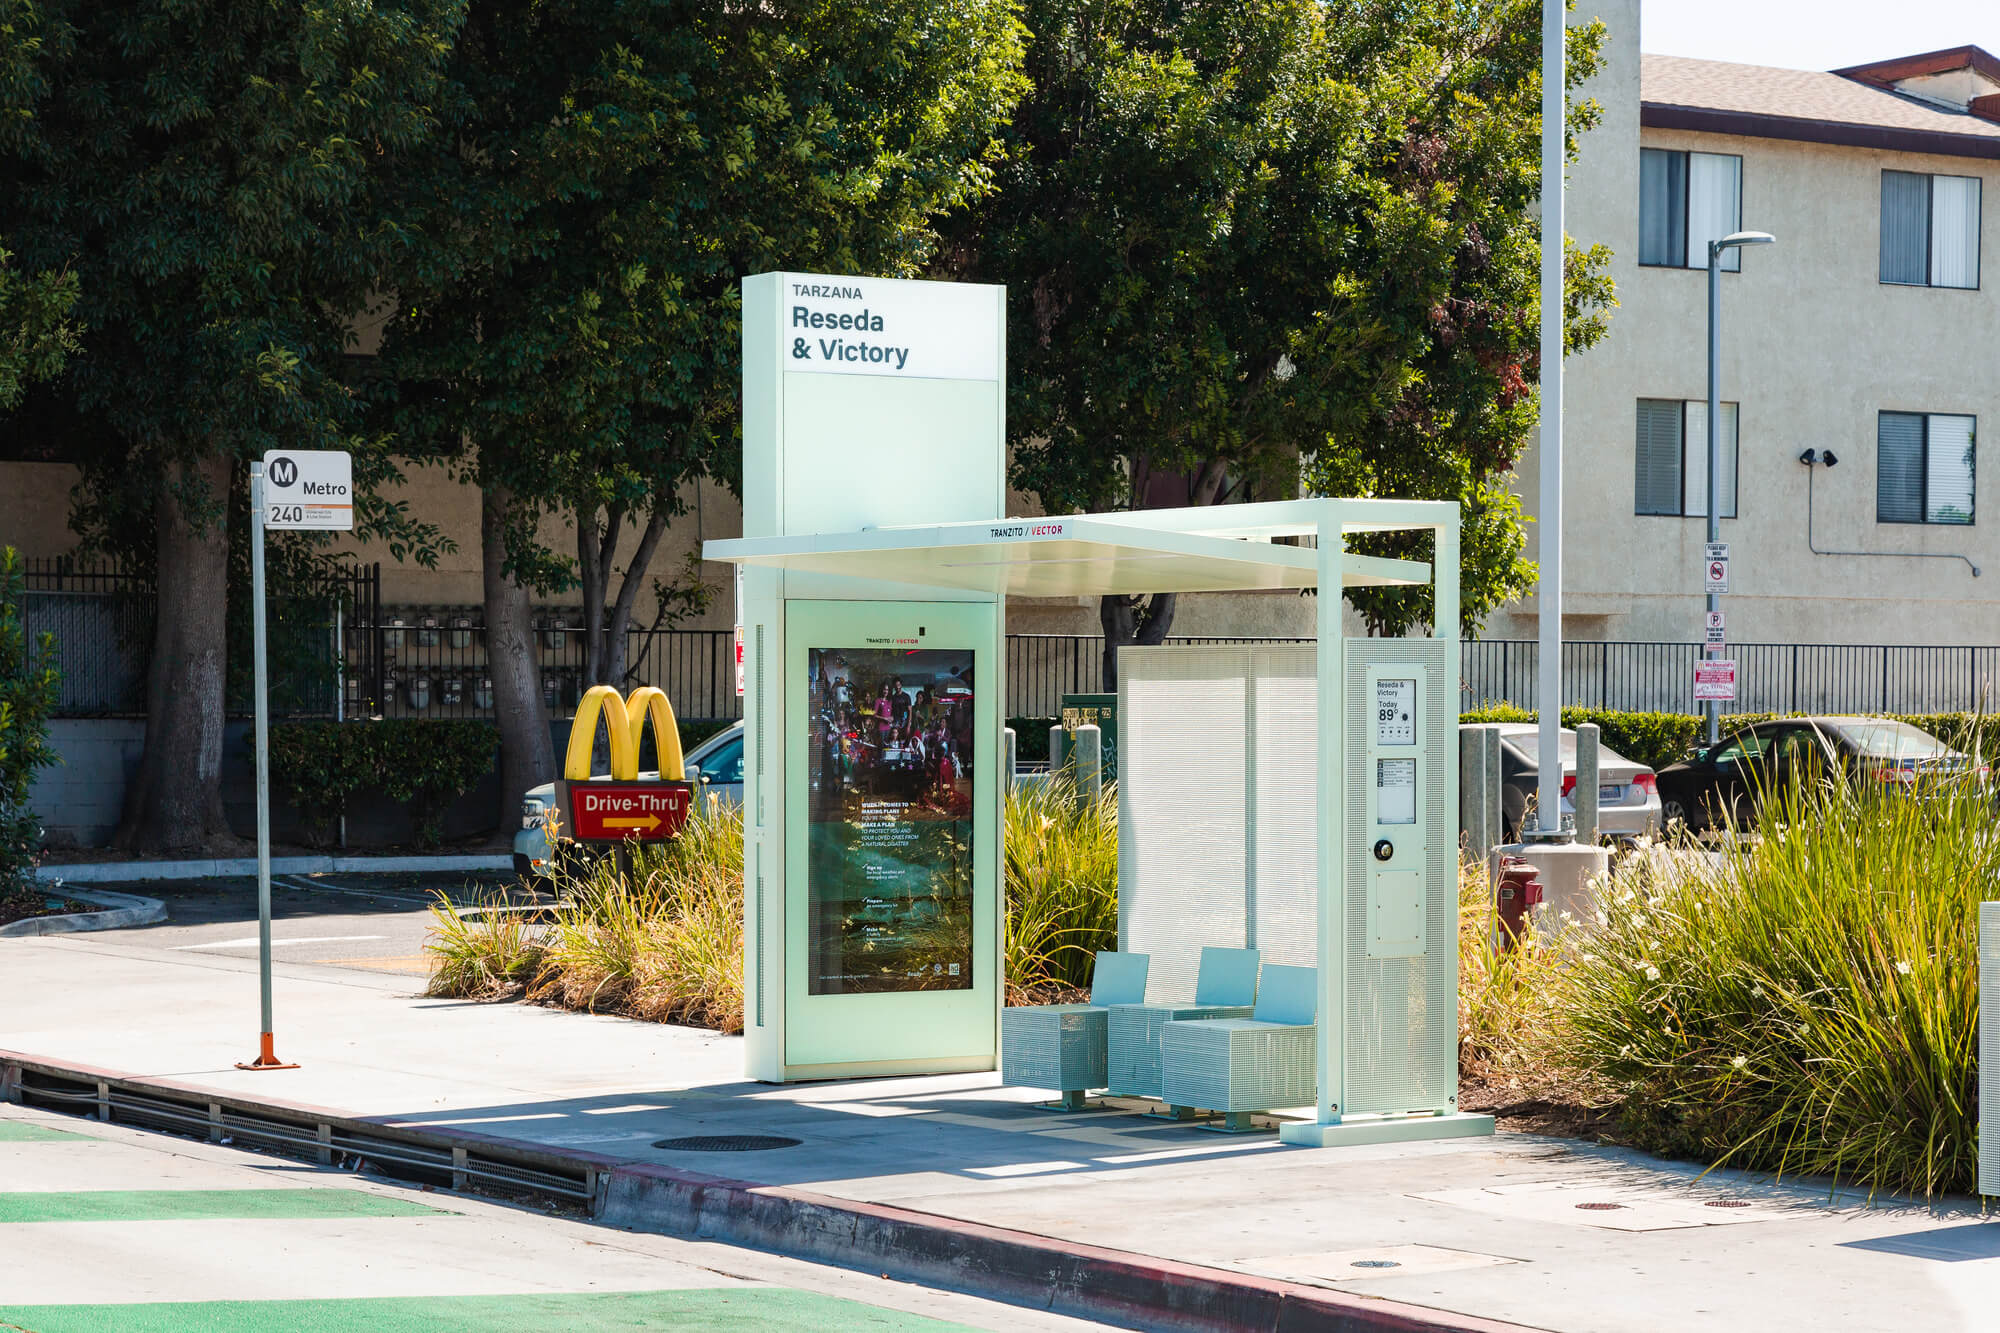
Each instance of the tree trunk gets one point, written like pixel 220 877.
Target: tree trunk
pixel 1145 621
pixel 628 593
pixel 527 756
pixel 595 548
pixel 175 803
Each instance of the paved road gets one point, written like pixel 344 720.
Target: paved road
pixel 373 923
pixel 105 1229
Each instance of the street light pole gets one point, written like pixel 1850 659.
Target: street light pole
pixel 1716 249
pixel 1548 592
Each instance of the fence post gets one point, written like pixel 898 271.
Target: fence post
pixel 1795 678
pixel 1885 677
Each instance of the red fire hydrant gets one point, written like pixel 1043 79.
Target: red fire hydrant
pixel 1518 889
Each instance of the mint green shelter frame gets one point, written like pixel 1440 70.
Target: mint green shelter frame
pixel 1226 548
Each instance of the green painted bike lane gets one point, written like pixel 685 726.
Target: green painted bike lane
pixel 725 1310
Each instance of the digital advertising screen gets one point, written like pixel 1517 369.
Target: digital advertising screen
pixel 889 875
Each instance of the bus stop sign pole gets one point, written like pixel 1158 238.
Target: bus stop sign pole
pixel 313 490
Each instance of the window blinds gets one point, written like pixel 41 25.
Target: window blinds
pixel 1899 468
pixel 1662 207
pixel 1657 489
pixel 1954 231
pixel 1948 470
pixel 1930 230
pixel 1715 207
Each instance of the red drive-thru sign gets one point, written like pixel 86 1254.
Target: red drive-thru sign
pixel 601 810
pixel 1715 678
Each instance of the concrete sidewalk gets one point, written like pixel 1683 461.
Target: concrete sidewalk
pixel 1537 1232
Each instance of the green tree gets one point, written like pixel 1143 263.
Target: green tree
pixel 210 172
pixel 567 337
pixel 36 328
pixel 1239 236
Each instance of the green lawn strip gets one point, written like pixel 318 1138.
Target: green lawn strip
pixel 200 1205
pixel 27 1131
pixel 712 1310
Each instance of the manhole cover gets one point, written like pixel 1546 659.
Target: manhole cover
pixel 1599 1207
pixel 1727 1203
pixel 727 1143
pixel 1375 1263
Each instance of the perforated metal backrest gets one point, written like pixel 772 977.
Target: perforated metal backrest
pixel 1288 995
pixel 1120 978
pixel 1227 976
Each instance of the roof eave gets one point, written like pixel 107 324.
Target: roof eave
pixel 1760 125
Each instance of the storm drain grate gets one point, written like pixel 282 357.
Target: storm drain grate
pixel 1727 1203
pixel 1375 1263
pixel 1599 1207
pixel 727 1143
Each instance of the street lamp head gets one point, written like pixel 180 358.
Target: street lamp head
pixel 1739 238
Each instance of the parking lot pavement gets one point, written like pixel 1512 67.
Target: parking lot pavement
pixel 369 922
pixel 116 1230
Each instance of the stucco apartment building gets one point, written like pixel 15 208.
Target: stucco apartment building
pixel 1869 335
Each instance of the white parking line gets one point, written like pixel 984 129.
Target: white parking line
pixel 251 942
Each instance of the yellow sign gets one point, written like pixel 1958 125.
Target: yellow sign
pixel 625 723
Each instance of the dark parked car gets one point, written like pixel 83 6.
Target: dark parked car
pixel 1732 775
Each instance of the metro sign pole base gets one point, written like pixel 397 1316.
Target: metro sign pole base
pixel 267 1056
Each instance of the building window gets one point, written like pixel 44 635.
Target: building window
pixel 1923 468
pixel 1687 200
pixel 1930 230
pixel 1672 476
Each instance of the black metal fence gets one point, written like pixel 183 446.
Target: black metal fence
pixel 337 651
pixel 1770 677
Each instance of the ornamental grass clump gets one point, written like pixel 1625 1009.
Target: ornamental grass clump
pixel 1804 1001
pixel 1061 874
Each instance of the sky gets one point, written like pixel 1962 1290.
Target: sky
pixel 1814 34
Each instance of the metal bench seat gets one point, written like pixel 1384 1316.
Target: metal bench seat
pixel 1062 1046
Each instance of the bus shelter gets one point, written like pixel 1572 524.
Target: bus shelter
pixel 1328 838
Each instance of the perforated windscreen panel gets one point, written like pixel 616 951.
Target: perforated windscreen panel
pixel 1182 801
pixel 1989 1048
pixel 1401 1019
pixel 1284 824
pixel 1216 807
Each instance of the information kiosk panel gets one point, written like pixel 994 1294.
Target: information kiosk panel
pixel 891 831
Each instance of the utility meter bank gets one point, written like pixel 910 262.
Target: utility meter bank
pixel 1318 831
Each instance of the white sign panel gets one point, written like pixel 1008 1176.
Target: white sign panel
pixel 1715 678
pixel 1715 575
pixel 886 326
pixel 309 488
pixel 1712 631
pixel 1715 550
pixel 1396 712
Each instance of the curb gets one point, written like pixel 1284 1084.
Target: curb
pixel 120 910
pixel 127 872
pixel 999 1263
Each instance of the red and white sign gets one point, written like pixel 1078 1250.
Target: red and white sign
pixel 739 661
pixel 1715 678
pixel 615 811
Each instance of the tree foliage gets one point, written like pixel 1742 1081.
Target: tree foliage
pixel 209 171
pixel 1238 235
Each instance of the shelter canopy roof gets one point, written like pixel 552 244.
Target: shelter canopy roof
pixel 1079 555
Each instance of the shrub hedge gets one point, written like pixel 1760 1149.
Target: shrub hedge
pixel 423 764
pixel 1659 739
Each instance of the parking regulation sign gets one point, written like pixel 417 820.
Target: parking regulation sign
pixel 309 488
pixel 1712 631
pixel 1715 679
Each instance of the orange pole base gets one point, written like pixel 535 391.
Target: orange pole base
pixel 267 1057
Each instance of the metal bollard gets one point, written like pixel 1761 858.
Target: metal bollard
pixel 1007 758
pixel 1087 753
pixel 1584 796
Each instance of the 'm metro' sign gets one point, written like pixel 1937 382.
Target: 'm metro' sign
pixel 614 811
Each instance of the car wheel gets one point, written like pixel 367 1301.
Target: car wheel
pixel 1672 812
